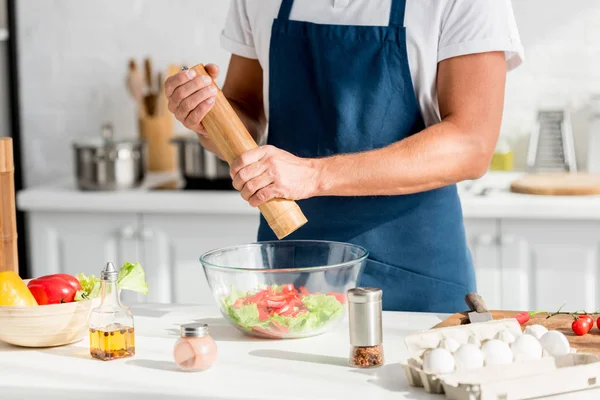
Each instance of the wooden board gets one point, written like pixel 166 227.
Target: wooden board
pixel 589 343
pixel 558 184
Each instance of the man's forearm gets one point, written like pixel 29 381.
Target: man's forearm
pixel 438 156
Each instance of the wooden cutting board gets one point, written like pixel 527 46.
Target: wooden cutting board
pixel 589 343
pixel 557 184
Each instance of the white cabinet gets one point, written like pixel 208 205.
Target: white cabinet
pixel 548 263
pixel 168 246
pixel 482 238
pixel 520 264
pixel 80 242
pixel 174 243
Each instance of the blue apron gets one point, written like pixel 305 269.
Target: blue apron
pixel 342 89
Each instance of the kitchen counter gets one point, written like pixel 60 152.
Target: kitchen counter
pixel 497 203
pixel 247 368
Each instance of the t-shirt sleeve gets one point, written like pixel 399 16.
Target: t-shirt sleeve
pixel 237 36
pixel 479 26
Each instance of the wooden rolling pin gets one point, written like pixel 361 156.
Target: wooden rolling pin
pixel 231 137
pixel 8 216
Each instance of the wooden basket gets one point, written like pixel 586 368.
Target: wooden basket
pixel 46 326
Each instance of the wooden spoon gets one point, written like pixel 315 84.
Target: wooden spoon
pixel 135 84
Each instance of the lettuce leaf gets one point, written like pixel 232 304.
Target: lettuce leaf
pixel 131 277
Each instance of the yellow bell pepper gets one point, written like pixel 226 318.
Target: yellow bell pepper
pixel 13 291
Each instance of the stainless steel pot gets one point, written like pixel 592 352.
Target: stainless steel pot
pixel 109 164
pixel 195 162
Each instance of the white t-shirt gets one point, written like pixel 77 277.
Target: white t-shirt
pixel 436 30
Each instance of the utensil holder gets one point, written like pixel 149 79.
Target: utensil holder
pixel 157 132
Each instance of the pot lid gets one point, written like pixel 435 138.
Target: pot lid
pixel 107 140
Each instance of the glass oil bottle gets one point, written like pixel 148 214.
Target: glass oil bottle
pixel 112 334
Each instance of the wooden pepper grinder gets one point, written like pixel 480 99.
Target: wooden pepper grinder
pixel 231 137
pixel 8 217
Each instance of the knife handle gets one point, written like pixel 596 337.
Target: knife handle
pixel 475 302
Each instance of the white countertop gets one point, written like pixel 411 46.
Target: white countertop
pixel 246 368
pixel 62 196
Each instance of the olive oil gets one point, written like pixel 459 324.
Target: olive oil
pixel 112 333
pixel 118 342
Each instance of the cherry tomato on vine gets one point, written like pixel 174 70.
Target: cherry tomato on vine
pixel 580 326
pixel 589 319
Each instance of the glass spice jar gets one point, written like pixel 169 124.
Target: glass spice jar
pixel 366 333
pixel 195 350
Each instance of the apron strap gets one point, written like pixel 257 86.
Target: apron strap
pixel 397 13
pixel 285 9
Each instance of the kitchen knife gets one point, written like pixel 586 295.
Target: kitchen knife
pixel 479 312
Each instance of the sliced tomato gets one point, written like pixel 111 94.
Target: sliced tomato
pixel 288 288
pixel 266 332
pixel 279 327
pixel 339 297
pixel 275 303
pixel 263 314
pixel 238 303
pixel 304 291
pixel 286 311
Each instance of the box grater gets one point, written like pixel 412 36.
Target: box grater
pixel 551 147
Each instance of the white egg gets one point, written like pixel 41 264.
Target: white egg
pixel 496 352
pixel 438 361
pixel 526 347
pixel 555 343
pixel 536 330
pixel 449 344
pixel 505 336
pixel 474 340
pixel 468 356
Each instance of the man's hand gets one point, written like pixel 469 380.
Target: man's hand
pixel 190 98
pixel 267 173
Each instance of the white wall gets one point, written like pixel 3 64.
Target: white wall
pixel 562 67
pixel 73 59
pixel 73 63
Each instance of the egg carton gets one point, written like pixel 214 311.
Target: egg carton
pixel 547 376
pixel 520 380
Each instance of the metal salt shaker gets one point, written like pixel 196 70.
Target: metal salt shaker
pixel 366 332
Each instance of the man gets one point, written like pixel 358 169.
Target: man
pixel 376 109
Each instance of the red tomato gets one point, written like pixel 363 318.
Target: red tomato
pixel 304 291
pixel 53 289
pixel 580 326
pixel 263 315
pixel 589 320
pixel 289 288
pixel 522 317
pixel 275 303
pixel 278 328
pixel 339 297
pixel 238 303
pixel 598 323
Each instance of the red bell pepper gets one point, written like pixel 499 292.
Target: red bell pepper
pixel 54 289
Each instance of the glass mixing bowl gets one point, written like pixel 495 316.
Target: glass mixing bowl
pixel 284 289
